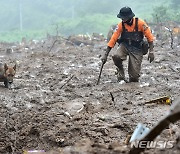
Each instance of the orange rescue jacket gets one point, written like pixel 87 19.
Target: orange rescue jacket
pixel 142 26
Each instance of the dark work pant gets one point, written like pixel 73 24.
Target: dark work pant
pixel 135 60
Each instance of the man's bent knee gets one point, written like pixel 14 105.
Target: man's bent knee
pixel 117 60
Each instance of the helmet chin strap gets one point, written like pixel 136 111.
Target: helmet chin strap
pixel 129 22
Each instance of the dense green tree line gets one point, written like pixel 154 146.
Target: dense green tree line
pixel 36 18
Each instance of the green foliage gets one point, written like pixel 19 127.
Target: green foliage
pixel 88 24
pixel 95 7
pixel 82 25
pixel 160 14
pixel 175 4
pixel 16 35
pixel 166 13
pixel 74 16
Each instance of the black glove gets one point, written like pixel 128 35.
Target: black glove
pixel 104 57
pixel 151 52
pixel 151 46
pixel 151 56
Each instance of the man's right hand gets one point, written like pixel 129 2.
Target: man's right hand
pixel 104 57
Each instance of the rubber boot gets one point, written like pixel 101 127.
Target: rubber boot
pixel 133 80
pixel 120 70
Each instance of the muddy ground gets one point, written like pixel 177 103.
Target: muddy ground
pixel 55 104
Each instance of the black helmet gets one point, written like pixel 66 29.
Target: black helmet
pixel 125 13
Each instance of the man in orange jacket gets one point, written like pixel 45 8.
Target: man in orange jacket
pixel 129 34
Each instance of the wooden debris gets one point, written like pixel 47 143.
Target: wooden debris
pixel 127 139
pixel 161 100
pixel 66 82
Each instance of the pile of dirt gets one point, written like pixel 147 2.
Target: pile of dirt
pixel 56 106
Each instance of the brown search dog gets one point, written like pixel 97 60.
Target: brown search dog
pixel 7 74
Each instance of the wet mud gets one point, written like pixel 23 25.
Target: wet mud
pixel 55 105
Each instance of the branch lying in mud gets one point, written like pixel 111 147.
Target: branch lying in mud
pixel 112 97
pixel 66 82
pixel 171 34
pixel 52 45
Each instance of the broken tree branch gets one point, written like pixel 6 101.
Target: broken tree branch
pixel 67 81
pixel 52 45
pixel 171 35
